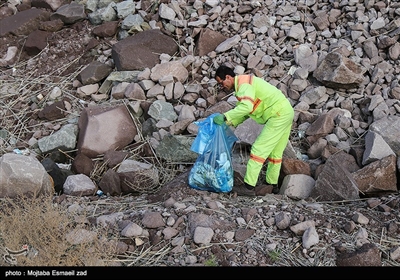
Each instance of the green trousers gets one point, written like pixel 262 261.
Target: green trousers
pixel 270 144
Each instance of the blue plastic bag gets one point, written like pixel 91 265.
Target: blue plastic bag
pixel 212 170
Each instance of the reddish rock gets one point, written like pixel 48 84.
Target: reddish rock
pixel 208 41
pixel 105 128
pixel 142 50
pixel 36 42
pixel 107 29
pixel 367 255
pixel 53 112
pixel 82 165
pixel 24 22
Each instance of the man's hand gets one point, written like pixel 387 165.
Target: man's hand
pixel 219 119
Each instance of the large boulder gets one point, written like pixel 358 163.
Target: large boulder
pixel 142 50
pixel 24 22
pixel 337 71
pixel 105 128
pixel 22 175
pixel 335 181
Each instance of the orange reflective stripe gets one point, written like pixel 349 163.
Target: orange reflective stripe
pixel 257 158
pixel 255 105
pixel 275 160
pixel 246 98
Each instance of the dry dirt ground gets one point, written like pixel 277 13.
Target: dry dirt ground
pixel 69 50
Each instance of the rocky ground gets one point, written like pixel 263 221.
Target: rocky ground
pixel 260 231
pixel 246 231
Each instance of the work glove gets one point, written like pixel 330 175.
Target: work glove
pixel 219 119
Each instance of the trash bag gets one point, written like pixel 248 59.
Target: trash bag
pixel 212 170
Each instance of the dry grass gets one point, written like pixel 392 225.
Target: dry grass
pixel 42 226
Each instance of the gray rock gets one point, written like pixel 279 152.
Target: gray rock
pixel 310 237
pixel 162 110
pixel 70 13
pixel 23 175
pixel 64 139
pixel 297 186
pixel 339 72
pixel 203 235
pixel 389 128
pixel 375 148
pixel 79 185
pixel 176 148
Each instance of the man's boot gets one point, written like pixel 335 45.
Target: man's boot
pixel 262 190
pixel 275 189
pixel 244 190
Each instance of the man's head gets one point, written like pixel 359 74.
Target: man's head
pixel 225 77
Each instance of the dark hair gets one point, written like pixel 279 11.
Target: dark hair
pixel 222 71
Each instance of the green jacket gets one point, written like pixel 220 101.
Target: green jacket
pixel 256 99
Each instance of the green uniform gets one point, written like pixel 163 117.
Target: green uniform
pixel 267 105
